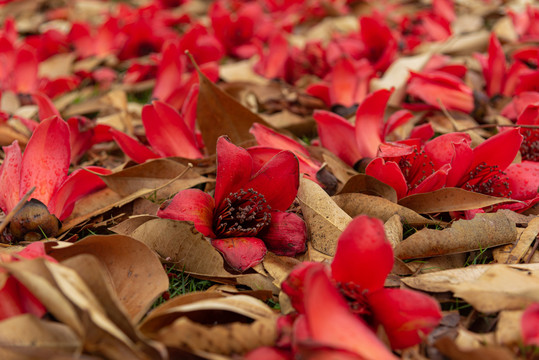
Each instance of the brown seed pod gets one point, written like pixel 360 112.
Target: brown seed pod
pixel 33 222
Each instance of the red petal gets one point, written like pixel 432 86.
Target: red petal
pixel 523 179
pixel 132 148
pixel 261 155
pixel 364 256
pixel 77 185
pixel 286 235
pixel 234 166
pixel 499 150
pixel 189 107
pixel 167 132
pixel 343 83
pixel 15 301
pixel 399 118
pixel 25 72
pixel 331 323
pixel 267 137
pixel 46 107
pixel 169 74
pixel 45 161
pixel 10 177
pixel 267 353
pixel 338 136
pixel 190 205
pixel 389 173
pixel 80 136
pixel 370 121
pixel 406 315
pixel 277 180
pixel 241 253
pixel 422 132
pixel 434 181
pixel 529 328
pixel 294 284
pixel 496 66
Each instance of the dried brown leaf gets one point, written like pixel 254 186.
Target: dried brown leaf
pixel 514 253
pixel 449 199
pixel 325 220
pixel 447 347
pixel 136 273
pixel 369 185
pixel 482 232
pixel 220 114
pixel 355 204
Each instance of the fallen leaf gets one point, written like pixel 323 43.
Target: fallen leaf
pixel 325 220
pixel 482 232
pixel 514 253
pixel 447 347
pixel 449 199
pixel 220 114
pixel 355 204
pixel 369 185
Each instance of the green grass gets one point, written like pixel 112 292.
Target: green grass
pixel 181 283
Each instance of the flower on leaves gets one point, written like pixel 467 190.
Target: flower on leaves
pixel 15 299
pixel 169 133
pixel 247 214
pixel 354 142
pixel 44 165
pixel 340 308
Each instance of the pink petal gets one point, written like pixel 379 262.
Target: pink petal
pixel 338 136
pixel 286 235
pixel 363 257
pixel 267 353
pixel 529 328
pixel 331 323
pixel 270 138
pixel 191 205
pixel 523 179
pixel 370 121
pixel 499 150
pixel 241 253
pixel 389 173
pixel 77 185
pixel 343 83
pixel 132 148
pixel 46 107
pixel 406 315
pixel 277 180
pixel 45 161
pixel 234 166
pixel 25 72
pixel 167 132
pixel 10 177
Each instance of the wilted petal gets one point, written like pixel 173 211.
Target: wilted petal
pixel 167 132
pixel 364 256
pixel 277 180
pixel 45 161
pixel 241 253
pixel 77 185
pixel 268 353
pixel 132 148
pixel 523 179
pixel 370 122
pixel 10 177
pixel 45 105
pixel 389 173
pixel 270 138
pixel 499 150
pixel 338 136
pixel 234 166
pixel 294 284
pixel 286 235
pixel 190 205
pixel 331 323
pixel 406 315
pixel 529 328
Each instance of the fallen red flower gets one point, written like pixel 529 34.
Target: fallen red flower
pixel 362 261
pixel 246 214
pixel 528 325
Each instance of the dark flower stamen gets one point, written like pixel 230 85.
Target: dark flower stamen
pixel 488 180
pixel 243 213
pixel 530 144
pixel 416 167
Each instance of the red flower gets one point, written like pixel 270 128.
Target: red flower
pixel 169 133
pixel 15 299
pixel 247 213
pixel 528 325
pixel 351 143
pixel 362 261
pixel 45 164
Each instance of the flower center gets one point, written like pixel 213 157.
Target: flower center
pixel 243 213
pixel 530 144
pixel 356 299
pixel 416 167
pixel 488 180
